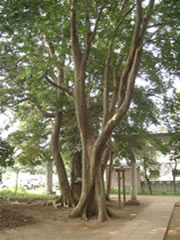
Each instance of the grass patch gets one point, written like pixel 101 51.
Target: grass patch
pixel 115 191
pixel 10 195
pixel 159 193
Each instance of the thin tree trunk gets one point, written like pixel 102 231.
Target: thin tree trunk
pixel 174 176
pixel 17 178
pixel 174 183
pixel 148 183
pixel 109 176
pixel 142 186
pixel 103 213
pixel 49 177
pixel 61 171
pixel 76 176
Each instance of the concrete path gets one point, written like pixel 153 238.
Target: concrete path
pixel 150 224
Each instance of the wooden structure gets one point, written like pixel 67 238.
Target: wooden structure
pixel 121 176
pixel 114 176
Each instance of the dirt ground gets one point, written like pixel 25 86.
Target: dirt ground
pixel 39 221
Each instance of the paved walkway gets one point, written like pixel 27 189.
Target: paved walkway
pixel 150 224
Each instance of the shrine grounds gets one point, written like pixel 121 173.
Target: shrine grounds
pixel 39 220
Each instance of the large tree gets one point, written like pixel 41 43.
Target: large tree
pixel 116 101
pixel 44 42
pixel 32 69
pixel 115 33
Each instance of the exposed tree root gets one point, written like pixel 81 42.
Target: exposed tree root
pixel 111 213
pixel 64 202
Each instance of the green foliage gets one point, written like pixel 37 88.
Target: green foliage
pixel 150 165
pixel 172 123
pixel 167 16
pixel 6 153
pixel 172 109
pixel 29 28
pixel 31 139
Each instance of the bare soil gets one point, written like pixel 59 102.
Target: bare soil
pixel 36 220
pixel 10 218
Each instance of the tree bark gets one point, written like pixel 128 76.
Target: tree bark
pixel 174 182
pixel 148 183
pixel 109 176
pixel 76 176
pixel 49 177
pixel 61 171
pixel 93 198
pixel 174 176
pixel 133 179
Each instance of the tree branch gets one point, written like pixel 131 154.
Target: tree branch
pixel 97 22
pixel 146 20
pixel 80 60
pixel 50 47
pixel 59 87
pixel 107 130
pixel 106 85
pixel 44 113
pixel 76 50
pixel 134 45
pixel 115 84
pixel 19 102
pixel 16 65
pixel 151 39
pixel 90 35
pixel 125 15
pixel 128 78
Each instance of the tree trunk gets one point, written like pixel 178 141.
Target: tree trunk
pixel 93 199
pixel 142 187
pixel 174 176
pixel 109 177
pixel 148 183
pixel 49 177
pixel 133 178
pixel 103 213
pixel 0 176
pixel 17 178
pixel 76 176
pixel 61 171
pixel 174 182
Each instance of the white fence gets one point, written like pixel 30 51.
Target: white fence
pixel 161 186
